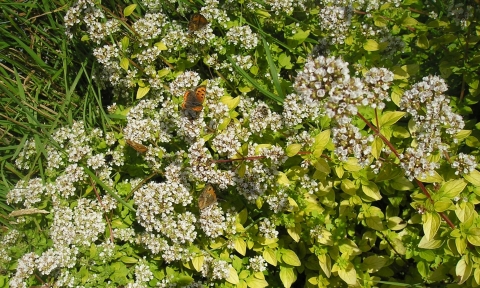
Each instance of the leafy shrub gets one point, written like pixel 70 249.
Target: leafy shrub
pixel 299 167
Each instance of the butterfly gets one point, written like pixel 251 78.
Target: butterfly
pixel 137 146
pixel 207 198
pixel 192 102
pixel 197 22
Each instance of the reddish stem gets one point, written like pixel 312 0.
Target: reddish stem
pixel 419 183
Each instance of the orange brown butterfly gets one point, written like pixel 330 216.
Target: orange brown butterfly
pixel 193 102
pixel 207 198
pixel 197 22
pixel 137 146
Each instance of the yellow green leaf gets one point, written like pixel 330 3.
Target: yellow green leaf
pixel 289 257
pixel 429 244
pixel 283 179
pixel 129 10
pixel 422 42
pixel 326 264
pixel 371 45
pixel 465 211
pixel 253 282
pixel 435 178
pixel 462 134
pixel 352 165
pixel 293 149
pixel 460 244
pixel 232 276
pixel 473 177
pixel 390 118
pixel 161 46
pixel 242 216
pixel 452 188
pixel 349 274
pixel 240 246
pixel 124 63
pixel 125 43
pixel 348 186
pixel 396 223
pixel 377 146
pixel 295 232
pixel 463 270
pixel 128 260
pixel 322 166
pixel 372 191
pixel 142 91
pixel 198 263
pixel 231 102
pixel 321 141
pixel 288 276
pixel 431 224
pixel 270 256
pixel 374 263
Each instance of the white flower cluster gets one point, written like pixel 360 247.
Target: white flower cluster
pixel 267 229
pixel 257 264
pixel 27 193
pixel 242 36
pixel 464 164
pixel 212 221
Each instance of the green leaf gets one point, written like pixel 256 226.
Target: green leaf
pixel 473 177
pixel 371 45
pixel 465 211
pixel 284 61
pixel 396 223
pixel 452 188
pixel 374 263
pixel 129 10
pixel 295 232
pixel 283 179
pixel 348 186
pixel 429 244
pixel 442 205
pixel 257 85
pixel 142 91
pixel 473 236
pixel 372 191
pixel 326 264
pixel 463 134
pixel 422 42
pixel 377 146
pixel 273 69
pixel 293 149
pixel 232 276
pixel 431 224
pixel 288 276
pixel 270 256
pixel 321 141
pixel 240 246
pixel 435 178
pixel 125 43
pixel 161 46
pixel 463 270
pixel 349 274
pixel 289 257
pixel 322 166
pixel 124 63
pixel 197 263
pixel 256 283
pixel 390 118
pixel 231 102
pixel 128 260
pixel 301 35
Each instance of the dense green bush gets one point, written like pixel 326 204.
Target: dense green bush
pixel 328 150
